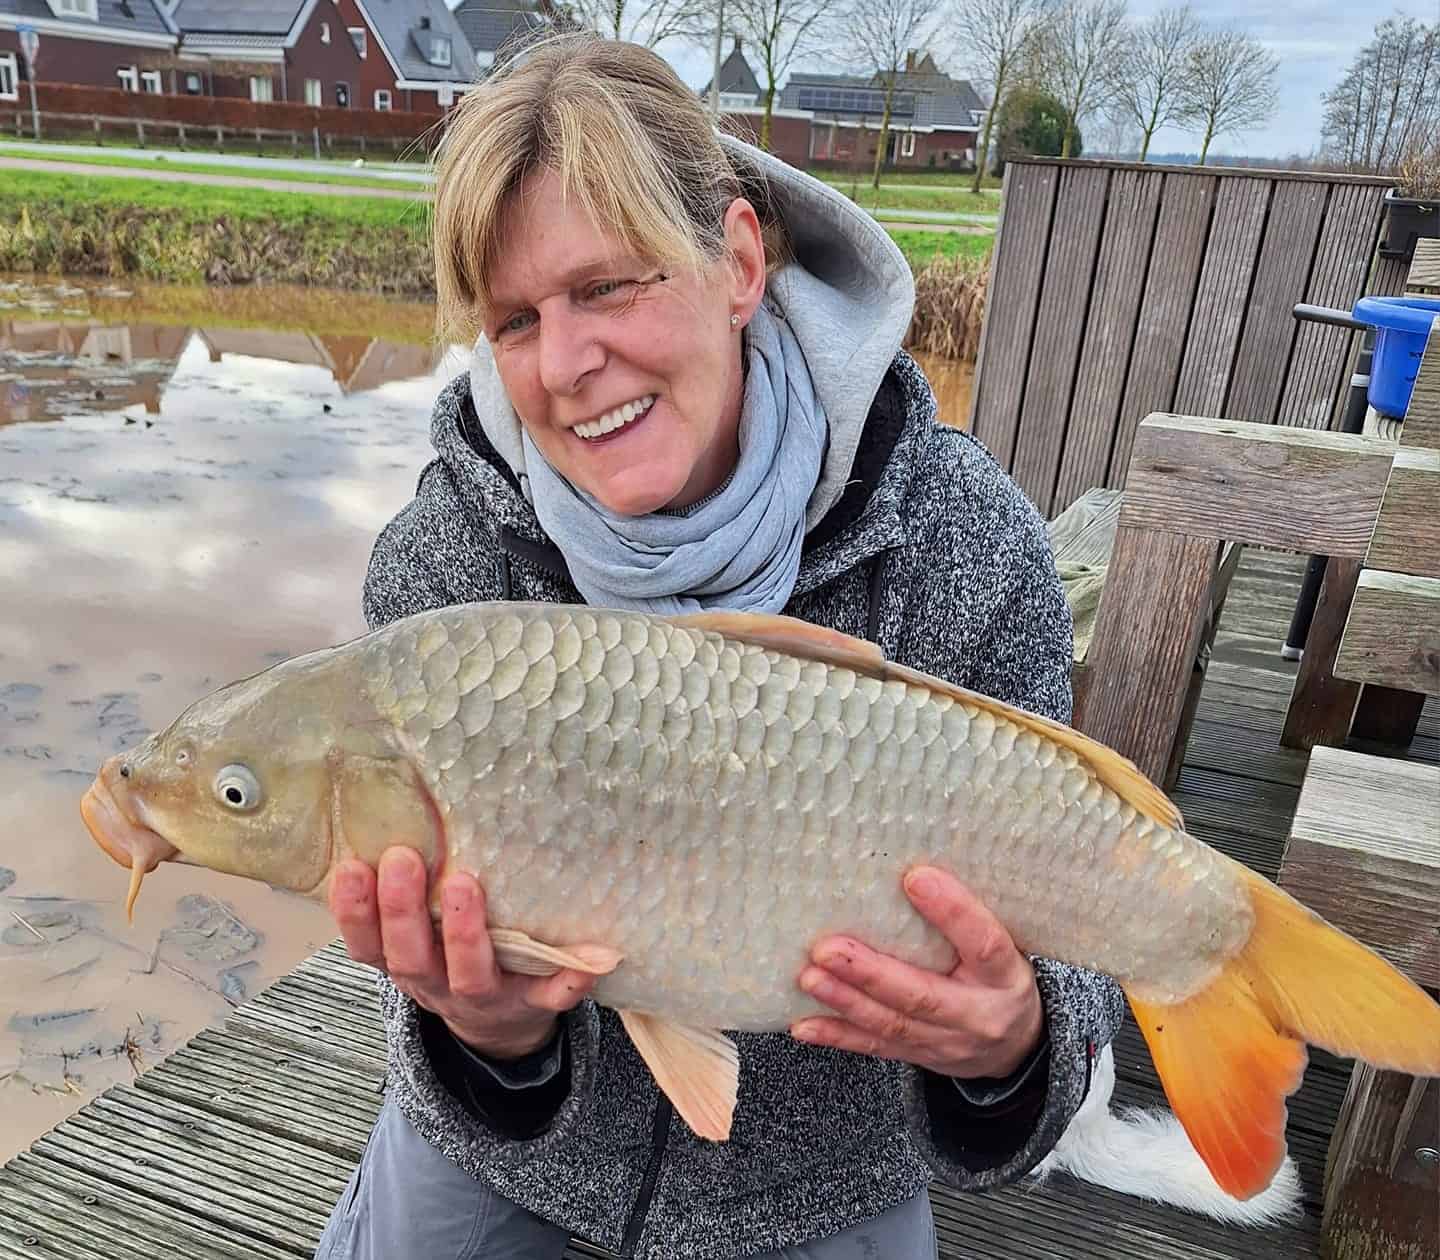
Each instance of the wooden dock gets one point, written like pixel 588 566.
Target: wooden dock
pixel 235 1147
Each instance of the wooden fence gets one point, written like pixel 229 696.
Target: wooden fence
pixel 1121 290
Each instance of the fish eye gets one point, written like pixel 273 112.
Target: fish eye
pixel 237 789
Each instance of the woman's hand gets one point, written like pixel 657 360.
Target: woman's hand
pixel 982 1019
pixel 386 922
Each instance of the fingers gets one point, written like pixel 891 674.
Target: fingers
pixel 406 931
pixel 986 952
pixel 469 958
pixel 869 1026
pixel 352 903
pixel 561 991
pixel 882 993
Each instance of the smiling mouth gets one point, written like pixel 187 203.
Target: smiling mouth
pixel 615 422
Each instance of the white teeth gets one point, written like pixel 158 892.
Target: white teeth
pixel 612 420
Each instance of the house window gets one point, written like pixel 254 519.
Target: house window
pixel 192 85
pixel 75 8
pixel 342 96
pixel 313 94
pixel 262 87
pixel 907 144
pixel 150 82
pixel 129 78
pixel 324 32
pixel 358 37
pixel 9 77
pixel 382 98
pixel 439 50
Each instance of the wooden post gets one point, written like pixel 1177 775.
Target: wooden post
pixel 220 137
pixel 1382 1201
pixel 1146 634
pixel 96 121
pixel 140 131
pixel 1322 705
pixel 181 128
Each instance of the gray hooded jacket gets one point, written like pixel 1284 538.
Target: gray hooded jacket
pixel 917 540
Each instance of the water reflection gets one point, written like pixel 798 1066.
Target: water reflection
pixel 201 503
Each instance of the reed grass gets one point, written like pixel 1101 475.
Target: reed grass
pixel 949 307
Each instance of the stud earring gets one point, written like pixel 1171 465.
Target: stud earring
pixel 734 321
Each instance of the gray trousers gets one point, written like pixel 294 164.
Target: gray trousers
pixel 406 1199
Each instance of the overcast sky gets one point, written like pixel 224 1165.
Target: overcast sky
pixel 1315 41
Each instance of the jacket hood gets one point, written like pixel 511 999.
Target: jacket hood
pixel 848 295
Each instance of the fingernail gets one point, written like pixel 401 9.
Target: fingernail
pixel 805 1031
pixel 834 954
pixel 922 884
pixel 812 979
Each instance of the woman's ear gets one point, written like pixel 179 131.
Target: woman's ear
pixel 745 247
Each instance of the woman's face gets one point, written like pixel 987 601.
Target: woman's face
pixel 625 375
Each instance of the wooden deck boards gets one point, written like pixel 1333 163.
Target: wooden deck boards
pixel 235 1146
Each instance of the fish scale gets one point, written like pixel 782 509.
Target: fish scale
pixel 747 803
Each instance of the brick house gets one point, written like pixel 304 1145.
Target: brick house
pixel 98 43
pixel 413 54
pixel 934 119
pixel 491 25
pixel 743 114
pixel 287 50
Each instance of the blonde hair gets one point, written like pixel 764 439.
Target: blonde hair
pixel 627 139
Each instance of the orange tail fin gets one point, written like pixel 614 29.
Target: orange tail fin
pixel 1230 1055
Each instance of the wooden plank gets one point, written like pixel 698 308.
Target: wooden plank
pixel 1150 618
pixel 1221 300
pixel 1316 493
pixel 1422 417
pixel 1322 705
pixel 1364 852
pixel 1407 530
pixel 1392 636
pixel 1109 332
pixel 1176 256
pixel 1059 328
pixel 1291 234
pixel 1024 236
pixel 1380 182
pixel 1424 267
pixel 1318 368
pixel 1380 1199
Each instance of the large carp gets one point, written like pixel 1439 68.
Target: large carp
pixel 685 805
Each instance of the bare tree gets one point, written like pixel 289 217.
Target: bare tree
pixel 1230 86
pixel 779 31
pixel 1388 103
pixel 1149 81
pixel 647 22
pixel 996 40
pixel 880 35
pixel 1075 57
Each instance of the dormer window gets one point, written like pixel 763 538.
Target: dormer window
pixel 439 50
pixel 87 9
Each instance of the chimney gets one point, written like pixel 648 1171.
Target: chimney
pixel 910 61
pixel 737 43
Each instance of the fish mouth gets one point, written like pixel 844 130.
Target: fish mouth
pixel 108 809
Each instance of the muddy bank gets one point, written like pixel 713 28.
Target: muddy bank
pixel 180 504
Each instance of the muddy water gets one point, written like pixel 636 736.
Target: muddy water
pixel 188 492
pixel 190 482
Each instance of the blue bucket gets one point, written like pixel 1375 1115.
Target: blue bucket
pixel 1401 326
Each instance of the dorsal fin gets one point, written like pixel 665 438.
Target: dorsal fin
pixel 794 637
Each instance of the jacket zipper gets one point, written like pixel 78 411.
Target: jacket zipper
pixel 659 1133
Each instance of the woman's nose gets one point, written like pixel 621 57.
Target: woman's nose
pixel 569 351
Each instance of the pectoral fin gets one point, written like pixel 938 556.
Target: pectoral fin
pixel 525 956
pixel 698 1069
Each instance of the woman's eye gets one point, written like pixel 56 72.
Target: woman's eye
pixel 237 789
pixel 608 289
pixel 517 323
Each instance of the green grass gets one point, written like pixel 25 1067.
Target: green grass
pixel 204 168
pixel 920 247
pixel 955 200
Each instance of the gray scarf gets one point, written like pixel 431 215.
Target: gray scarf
pixel 739 548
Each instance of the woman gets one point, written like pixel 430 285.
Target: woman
pixel 688 391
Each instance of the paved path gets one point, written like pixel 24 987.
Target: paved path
pixel 219 181
pixel 239 161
